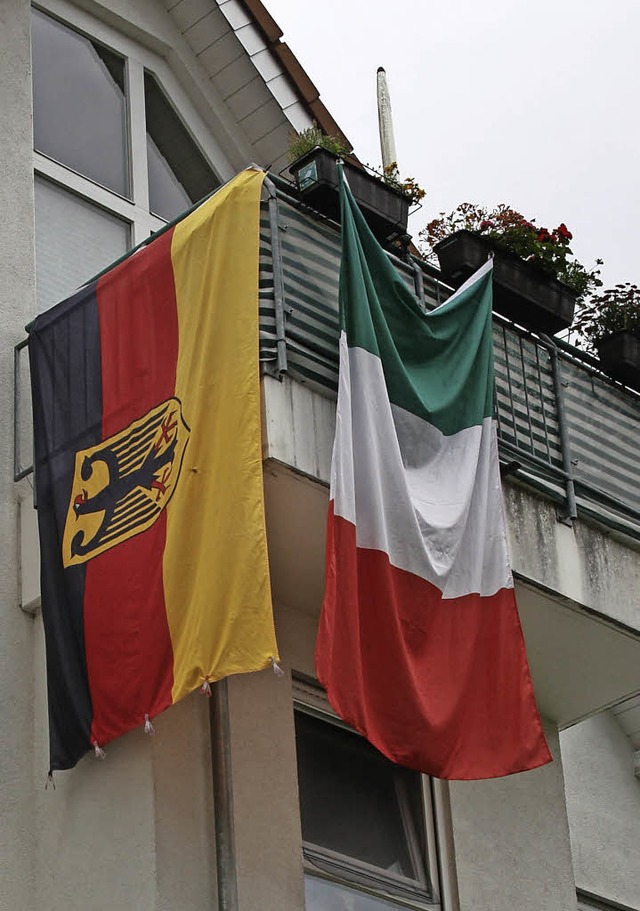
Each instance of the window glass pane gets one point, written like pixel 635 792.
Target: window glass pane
pixel 167 197
pixel 79 112
pixel 74 240
pixel 178 172
pixel 355 802
pixel 593 904
pixel 322 895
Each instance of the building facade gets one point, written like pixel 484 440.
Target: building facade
pixel 118 116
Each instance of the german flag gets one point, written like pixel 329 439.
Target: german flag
pixel 146 400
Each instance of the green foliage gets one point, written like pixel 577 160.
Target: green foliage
pixel 408 187
pixel 509 231
pixel 311 138
pixel 603 314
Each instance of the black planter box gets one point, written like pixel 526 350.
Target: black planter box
pixel 521 292
pixel 620 357
pixel 316 174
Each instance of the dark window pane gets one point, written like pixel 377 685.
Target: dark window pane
pixel 167 196
pixel 79 112
pixel 354 801
pixel 178 172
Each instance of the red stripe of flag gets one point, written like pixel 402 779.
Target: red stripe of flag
pixel 457 659
pixel 128 646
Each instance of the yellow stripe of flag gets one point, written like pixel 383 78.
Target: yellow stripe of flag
pixel 215 569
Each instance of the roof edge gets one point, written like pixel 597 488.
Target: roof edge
pixel 309 94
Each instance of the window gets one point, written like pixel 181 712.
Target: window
pixel 363 822
pixel 70 230
pixel 587 901
pixel 79 103
pixel 114 159
pixel 178 172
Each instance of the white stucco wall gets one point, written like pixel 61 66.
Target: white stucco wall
pixel 584 563
pixel 511 841
pixel 134 830
pixel 265 793
pixel 603 802
pixel 17 295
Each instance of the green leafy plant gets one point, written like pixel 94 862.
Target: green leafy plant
pixel 614 310
pixel 408 187
pixel 509 231
pixel 311 138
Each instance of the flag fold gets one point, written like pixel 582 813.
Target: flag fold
pixel 419 644
pixel 146 398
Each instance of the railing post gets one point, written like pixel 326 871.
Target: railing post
pixel 278 279
pixel 418 282
pixel 565 444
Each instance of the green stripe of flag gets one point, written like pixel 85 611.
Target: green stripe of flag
pixel 437 365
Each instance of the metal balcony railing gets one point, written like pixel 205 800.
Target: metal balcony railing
pixel 564 428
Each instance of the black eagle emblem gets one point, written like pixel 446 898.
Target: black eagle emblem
pixel 122 485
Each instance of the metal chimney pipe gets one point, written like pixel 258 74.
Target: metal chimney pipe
pixel 385 120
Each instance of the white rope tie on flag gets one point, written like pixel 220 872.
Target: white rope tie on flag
pixel 277 670
pixel 100 754
pixel 148 726
pixel 205 689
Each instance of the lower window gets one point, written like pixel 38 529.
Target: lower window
pixel 363 822
pixel 325 895
pixel 587 901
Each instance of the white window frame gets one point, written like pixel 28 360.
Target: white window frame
pixel 138 57
pixel 310 698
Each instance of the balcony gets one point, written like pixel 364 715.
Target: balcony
pixel 569 439
pixel 568 436
pixel 555 407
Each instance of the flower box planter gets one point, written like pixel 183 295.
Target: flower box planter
pixel 521 292
pixel 619 354
pixel 316 175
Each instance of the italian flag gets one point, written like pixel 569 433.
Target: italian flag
pixel 419 644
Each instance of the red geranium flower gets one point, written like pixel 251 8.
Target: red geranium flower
pixel 543 235
pixel 485 224
pixel 564 232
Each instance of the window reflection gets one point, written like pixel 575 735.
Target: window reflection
pixel 355 803
pixel 79 110
pixel 167 197
pixel 178 172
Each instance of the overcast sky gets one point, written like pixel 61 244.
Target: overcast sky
pixel 532 104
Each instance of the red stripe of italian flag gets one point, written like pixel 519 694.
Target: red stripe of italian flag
pixel 419 645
